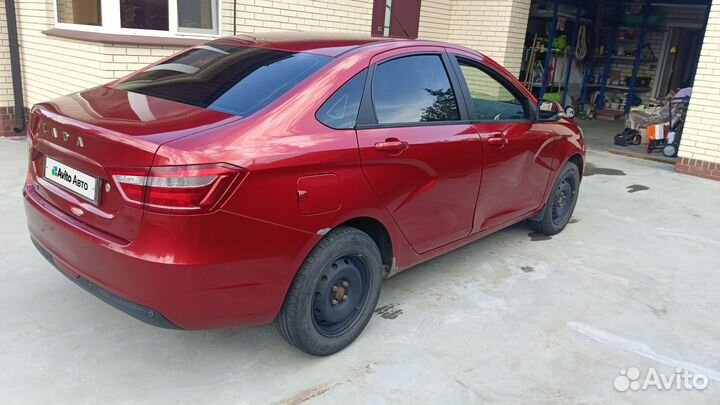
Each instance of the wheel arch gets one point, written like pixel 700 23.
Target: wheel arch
pixel 579 161
pixel 380 235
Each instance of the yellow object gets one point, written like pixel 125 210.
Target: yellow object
pixel 673 50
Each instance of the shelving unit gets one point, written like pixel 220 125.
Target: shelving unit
pixel 546 14
pixel 632 59
pixel 554 15
pixel 618 35
pixel 637 59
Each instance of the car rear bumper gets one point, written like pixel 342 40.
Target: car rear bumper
pixel 184 272
pixel 137 311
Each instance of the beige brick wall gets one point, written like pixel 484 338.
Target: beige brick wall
pixel 701 137
pixel 53 66
pixel 298 15
pixel 434 19
pixel 494 27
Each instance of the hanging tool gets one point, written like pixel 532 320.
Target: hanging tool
pixel 581 45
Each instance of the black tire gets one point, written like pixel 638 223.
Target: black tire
pixel 334 293
pixel 561 202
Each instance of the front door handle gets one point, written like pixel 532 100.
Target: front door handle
pixel 497 140
pixel 391 145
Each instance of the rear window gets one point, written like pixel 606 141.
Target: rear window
pixel 230 79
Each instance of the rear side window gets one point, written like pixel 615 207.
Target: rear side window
pixel 226 78
pixel 340 111
pixel 413 89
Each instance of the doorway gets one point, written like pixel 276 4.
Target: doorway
pixel 681 58
pixel 396 19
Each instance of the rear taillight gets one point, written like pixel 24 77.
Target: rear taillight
pixel 178 189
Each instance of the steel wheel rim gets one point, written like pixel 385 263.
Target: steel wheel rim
pixel 340 295
pixel 563 200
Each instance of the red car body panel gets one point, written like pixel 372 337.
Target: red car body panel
pixel 234 265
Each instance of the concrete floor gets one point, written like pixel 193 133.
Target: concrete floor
pixel 513 318
pixel 599 135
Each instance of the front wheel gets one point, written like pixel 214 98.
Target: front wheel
pixel 334 293
pixel 561 202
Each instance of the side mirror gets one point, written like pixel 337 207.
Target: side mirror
pixel 551 111
pixel 548 110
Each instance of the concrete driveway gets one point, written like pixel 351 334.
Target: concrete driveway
pixel 513 318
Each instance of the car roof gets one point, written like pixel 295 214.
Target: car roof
pixel 320 43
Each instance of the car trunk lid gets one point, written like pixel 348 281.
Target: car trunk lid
pixel 92 133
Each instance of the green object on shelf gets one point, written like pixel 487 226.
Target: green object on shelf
pixel 554 97
pixel 636 20
pixel 560 42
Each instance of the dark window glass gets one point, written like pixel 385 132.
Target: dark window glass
pixel 144 14
pixel 85 12
pixel 197 15
pixel 341 109
pixel 413 89
pixel 225 78
pixel 491 99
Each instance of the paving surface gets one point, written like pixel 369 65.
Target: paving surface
pixel 513 318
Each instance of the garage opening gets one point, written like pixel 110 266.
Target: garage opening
pixel 625 68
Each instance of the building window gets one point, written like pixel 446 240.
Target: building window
pixel 140 17
pixel 86 12
pixel 144 14
pixel 197 15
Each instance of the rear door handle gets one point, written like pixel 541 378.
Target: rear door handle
pixel 391 145
pixel 497 140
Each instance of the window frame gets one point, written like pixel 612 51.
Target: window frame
pixel 509 86
pixel 111 22
pixel 366 116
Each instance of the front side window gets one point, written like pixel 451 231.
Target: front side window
pixel 413 89
pixel 340 111
pixel 148 16
pixel 490 98
pixel 227 78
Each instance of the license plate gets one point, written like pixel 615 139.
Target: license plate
pixel 71 179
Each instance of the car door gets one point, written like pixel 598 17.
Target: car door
pixel 419 152
pixel 517 160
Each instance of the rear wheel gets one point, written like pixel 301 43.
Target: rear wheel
pixel 334 293
pixel 561 202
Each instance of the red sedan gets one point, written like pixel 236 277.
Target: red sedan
pixel 252 180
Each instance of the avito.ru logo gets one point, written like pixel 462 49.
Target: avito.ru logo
pixel 631 379
pixel 58 172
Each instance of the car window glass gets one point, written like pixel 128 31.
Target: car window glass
pixel 413 89
pixel 341 109
pixel 491 99
pixel 228 78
